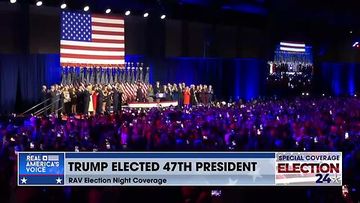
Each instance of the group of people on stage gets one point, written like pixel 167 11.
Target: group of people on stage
pixel 82 98
pixel 185 95
pixel 90 98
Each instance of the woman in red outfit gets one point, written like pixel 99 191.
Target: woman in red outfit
pixel 94 99
pixel 187 96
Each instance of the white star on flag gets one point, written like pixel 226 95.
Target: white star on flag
pixel 23 180
pixel 58 180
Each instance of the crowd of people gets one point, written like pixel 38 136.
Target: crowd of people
pixel 282 67
pixel 301 124
pixel 290 74
pixel 87 99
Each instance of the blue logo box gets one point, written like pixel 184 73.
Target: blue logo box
pixel 40 168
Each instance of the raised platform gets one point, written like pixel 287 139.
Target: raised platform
pixel 152 104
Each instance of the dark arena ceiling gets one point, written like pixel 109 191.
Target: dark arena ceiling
pixel 333 12
pixel 321 23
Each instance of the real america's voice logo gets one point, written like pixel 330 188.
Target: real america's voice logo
pixel 309 167
pixel 41 169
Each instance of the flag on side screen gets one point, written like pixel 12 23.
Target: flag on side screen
pixel 292 46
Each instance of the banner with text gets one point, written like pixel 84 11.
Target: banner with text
pixel 179 168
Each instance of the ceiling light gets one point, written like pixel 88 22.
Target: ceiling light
pixel 63 6
pixel 146 15
pixel 86 8
pixel 39 3
pixel 108 10
pixel 12 1
pixel 163 16
pixel 127 13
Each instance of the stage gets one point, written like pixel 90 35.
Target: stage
pixel 151 104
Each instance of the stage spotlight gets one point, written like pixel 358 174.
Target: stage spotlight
pixel 12 1
pixel 108 10
pixel 127 13
pixel 86 8
pixel 63 6
pixel 163 16
pixel 39 3
pixel 146 15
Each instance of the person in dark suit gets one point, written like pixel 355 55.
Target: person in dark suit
pixel 52 99
pixel 86 97
pixel 116 95
pixel 192 95
pixel 158 89
pixel 198 90
pixel 80 100
pixel 175 93
pixel 210 94
pixel 73 98
pixel 181 95
pixel 44 96
pixel 100 100
pixel 139 94
pixel 57 99
pixel 62 98
pixel 205 95
pixel 120 99
pixel 44 93
pixel 120 94
pixel 107 98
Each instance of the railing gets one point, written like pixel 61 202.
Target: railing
pixel 35 106
pixel 42 112
pixel 46 108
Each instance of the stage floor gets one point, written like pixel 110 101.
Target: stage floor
pixel 151 104
pixel 135 106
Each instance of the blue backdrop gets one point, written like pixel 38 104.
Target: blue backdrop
pixel 339 78
pixel 21 78
pixel 236 78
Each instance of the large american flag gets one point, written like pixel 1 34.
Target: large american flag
pixel 91 40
